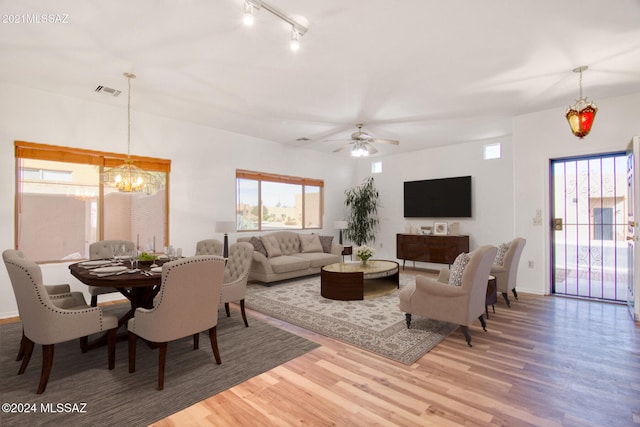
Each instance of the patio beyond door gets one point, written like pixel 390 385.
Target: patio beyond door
pixel 589 211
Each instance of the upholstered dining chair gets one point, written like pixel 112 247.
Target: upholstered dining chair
pixel 45 324
pixel 457 295
pixel 505 267
pixel 188 289
pixel 236 274
pixel 60 295
pixel 209 247
pixel 103 249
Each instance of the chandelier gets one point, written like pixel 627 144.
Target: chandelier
pixel 581 114
pixel 127 177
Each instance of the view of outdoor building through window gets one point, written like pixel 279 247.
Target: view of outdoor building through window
pixel 264 204
pixel 60 211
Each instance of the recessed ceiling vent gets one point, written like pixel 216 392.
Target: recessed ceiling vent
pixel 108 90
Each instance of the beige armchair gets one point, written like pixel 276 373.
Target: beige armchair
pixel 103 249
pixel 44 323
pixel 506 272
pixel 209 247
pixel 60 295
pixel 440 300
pixel 236 274
pixel 189 288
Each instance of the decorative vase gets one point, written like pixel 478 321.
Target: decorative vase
pixel 364 262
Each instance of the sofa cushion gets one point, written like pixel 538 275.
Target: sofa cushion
pixel 319 259
pixel 272 246
pixel 287 263
pixel 457 269
pixel 310 243
pixel 326 242
pixel 258 245
pixel 289 242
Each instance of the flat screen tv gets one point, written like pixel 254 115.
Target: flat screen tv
pixel 438 198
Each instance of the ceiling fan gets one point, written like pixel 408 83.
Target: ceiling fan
pixel 362 143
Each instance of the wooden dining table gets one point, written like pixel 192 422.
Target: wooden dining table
pixel 139 288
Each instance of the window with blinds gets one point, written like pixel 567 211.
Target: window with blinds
pixel 62 205
pixel 267 201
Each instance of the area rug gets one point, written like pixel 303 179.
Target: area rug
pixel 376 325
pixel 91 395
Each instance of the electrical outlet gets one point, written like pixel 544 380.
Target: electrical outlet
pixel 530 264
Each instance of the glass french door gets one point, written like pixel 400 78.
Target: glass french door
pixel 589 210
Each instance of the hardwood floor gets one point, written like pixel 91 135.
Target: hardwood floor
pixel 546 361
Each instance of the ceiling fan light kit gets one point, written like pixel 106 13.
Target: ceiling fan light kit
pixel 297 30
pixel 362 143
pixel 582 113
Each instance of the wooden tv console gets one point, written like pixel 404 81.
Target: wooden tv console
pixel 430 248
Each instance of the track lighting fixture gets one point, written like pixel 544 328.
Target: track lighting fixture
pixel 295 40
pixel 248 18
pixel 297 30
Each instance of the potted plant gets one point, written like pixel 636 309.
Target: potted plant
pixel 362 219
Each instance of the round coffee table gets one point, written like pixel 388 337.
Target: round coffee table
pixel 349 281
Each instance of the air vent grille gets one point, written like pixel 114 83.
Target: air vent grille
pixel 107 90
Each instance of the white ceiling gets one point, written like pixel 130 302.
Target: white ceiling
pixel 425 72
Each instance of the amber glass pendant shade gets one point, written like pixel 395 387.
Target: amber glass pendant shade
pixel 581 120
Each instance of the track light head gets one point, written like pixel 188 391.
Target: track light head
pixel 248 18
pixel 295 40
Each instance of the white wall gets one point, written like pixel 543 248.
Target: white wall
pixel 204 160
pixel 492 192
pixel 545 135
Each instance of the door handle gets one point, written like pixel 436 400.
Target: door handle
pixel 557 224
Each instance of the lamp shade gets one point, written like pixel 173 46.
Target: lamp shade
pixel 340 225
pixel 581 120
pixel 225 226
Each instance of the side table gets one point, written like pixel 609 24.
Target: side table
pixel 347 250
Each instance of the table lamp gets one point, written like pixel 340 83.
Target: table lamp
pixel 225 227
pixel 340 225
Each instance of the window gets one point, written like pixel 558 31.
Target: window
pixel 492 151
pixel 273 202
pixel 62 206
pixel 376 166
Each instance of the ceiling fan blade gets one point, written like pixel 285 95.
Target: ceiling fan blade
pixel 342 147
pixel 371 149
pixel 386 141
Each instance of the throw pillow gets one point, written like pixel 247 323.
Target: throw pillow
pixel 502 250
pixel 310 243
pixel 258 246
pixel 271 245
pixel 457 269
pixel 326 242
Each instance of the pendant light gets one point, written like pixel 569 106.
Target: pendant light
pixel 127 177
pixel 581 114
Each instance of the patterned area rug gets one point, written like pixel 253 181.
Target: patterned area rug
pixel 376 324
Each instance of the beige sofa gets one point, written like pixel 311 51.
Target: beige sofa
pixel 286 254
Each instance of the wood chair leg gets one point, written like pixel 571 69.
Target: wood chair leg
pixel 196 341
pixel 466 333
pixel 94 301
pixel 132 352
pixel 515 293
pixel 213 337
pixel 407 318
pixel 493 307
pixel 84 344
pixel 21 349
pixel 162 360
pixel 111 347
pixel 47 364
pixel 244 314
pixel 486 310
pixel 28 351
pixel 506 299
pixel 483 323
pixel 226 308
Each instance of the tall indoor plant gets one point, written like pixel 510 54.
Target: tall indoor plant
pixel 362 202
